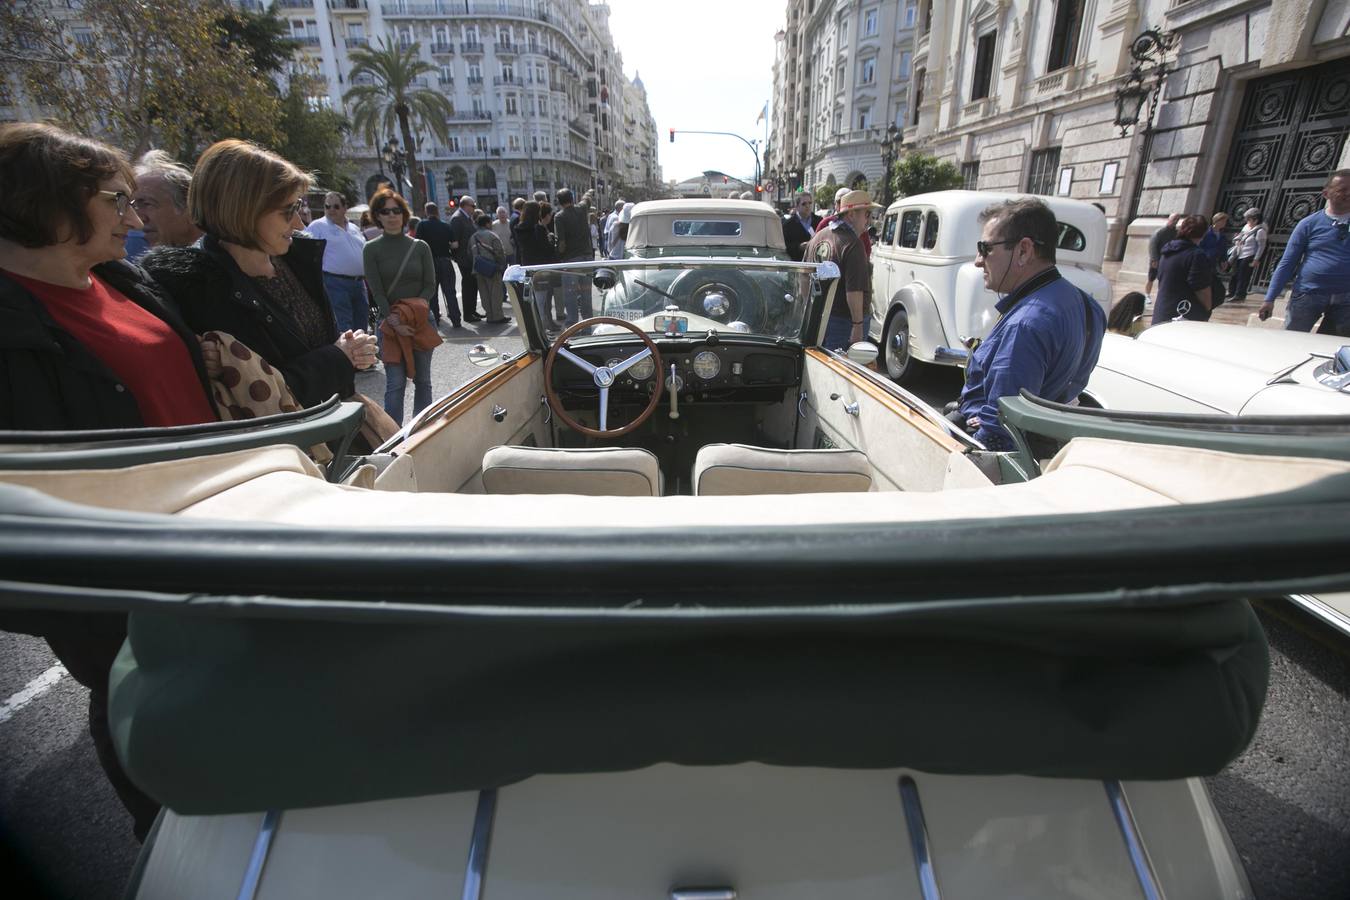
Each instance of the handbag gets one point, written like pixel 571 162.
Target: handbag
pixel 485 266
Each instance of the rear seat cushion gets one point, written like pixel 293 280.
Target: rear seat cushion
pixel 738 469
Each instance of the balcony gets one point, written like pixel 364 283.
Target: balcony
pixel 471 47
pixel 445 82
pixel 500 80
pixel 348 6
pixel 295 4
pixel 470 116
pixel 357 43
pixel 306 40
pixel 475 80
pixel 414 10
pixel 442 48
pixel 506 48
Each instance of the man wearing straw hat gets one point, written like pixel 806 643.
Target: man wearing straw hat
pixel 841 243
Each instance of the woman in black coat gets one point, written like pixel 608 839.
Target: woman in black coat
pixel 535 247
pixel 1185 275
pixel 254 277
pixel 86 342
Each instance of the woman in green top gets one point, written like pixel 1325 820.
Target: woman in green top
pixel 398 267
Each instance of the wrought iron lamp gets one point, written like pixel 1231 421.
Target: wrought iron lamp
pixel 1149 55
pixel 397 161
pixel 890 144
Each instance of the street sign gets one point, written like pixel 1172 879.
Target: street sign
pixel 770 187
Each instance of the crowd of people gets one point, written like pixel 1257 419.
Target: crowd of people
pixel 1191 256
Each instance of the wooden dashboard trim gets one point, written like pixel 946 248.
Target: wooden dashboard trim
pixel 459 402
pixel 892 403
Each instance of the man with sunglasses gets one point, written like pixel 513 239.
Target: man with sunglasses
pixel 800 225
pixel 1317 259
pixel 343 272
pixel 1050 332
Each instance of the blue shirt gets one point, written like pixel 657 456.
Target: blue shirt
pixel 1038 344
pixel 1319 249
pixel 136 244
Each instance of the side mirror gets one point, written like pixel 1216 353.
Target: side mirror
pixel 484 357
pixel 864 353
pixel 604 279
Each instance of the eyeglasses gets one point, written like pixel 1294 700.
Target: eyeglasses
pixel 142 205
pixel 984 248
pixel 120 199
pixel 388 211
pixel 334 206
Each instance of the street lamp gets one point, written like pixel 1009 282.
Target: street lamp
pixel 1149 52
pixel 890 144
pixel 397 161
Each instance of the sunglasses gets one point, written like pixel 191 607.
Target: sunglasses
pixel 984 248
pixel 292 210
pixel 334 206
pixel 388 211
pixel 120 199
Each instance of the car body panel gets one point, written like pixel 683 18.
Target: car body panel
pixel 652 228
pixel 943 228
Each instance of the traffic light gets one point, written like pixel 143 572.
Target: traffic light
pixel 759 189
pixel 672 135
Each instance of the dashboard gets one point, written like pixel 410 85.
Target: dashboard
pixel 705 368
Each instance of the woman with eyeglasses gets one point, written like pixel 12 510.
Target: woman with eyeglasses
pixel 255 277
pixel 87 341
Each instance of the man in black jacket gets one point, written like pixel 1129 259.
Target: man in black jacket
pixel 573 229
pixel 440 238
pixel 800 225
pixel 461 232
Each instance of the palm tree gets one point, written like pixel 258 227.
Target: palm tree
pixel 393 96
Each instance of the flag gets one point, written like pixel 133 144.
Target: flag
pixel 763 112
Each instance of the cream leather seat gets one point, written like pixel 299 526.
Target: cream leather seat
pixel 725 469
pixel 600 472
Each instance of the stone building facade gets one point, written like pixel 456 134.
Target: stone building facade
pixel 1252 108
pixel 537 86
pixel 840 77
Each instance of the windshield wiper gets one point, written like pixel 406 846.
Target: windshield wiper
pixel 651 287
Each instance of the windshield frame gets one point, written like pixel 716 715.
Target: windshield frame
pixel 823 277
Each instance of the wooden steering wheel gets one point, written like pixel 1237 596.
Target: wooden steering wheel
pixel 603 376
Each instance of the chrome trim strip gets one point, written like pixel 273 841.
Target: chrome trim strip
pixel 1134 846
pixel 476 871
pixel 261 847
pixel 918 838
pixel 1321 610
pixel 656 262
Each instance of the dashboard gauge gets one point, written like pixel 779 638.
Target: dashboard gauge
pixel 642 369
pixel 707 364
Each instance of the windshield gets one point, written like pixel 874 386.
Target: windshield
pixel 677 297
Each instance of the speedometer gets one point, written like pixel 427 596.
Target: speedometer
pixel 707 364
pixel 642 369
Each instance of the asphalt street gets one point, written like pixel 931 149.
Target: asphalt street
pixel 1285 801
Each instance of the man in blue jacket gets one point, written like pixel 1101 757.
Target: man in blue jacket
pixel 1319 251
pixel 1050 332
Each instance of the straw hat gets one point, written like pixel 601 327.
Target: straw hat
pixel 857 200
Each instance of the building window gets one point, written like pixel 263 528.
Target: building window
pixel 838 122
pixel 477 106
pixel 508 73
pixel 906 61
pixel 480 143
pixel 927 16
pixel 475 73
pixel 512 105
pixel 447 75
pixel 453 146
pixel 870 23
pixel 1044 168
pixel 970 175
pixel 869 70
pixel 513 142
pixel 919 74
pixel 984 65
pixel 843 31
pixel 865 118
pixel 1064 39
pixel 911 13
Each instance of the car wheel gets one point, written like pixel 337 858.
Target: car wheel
pixel 900 363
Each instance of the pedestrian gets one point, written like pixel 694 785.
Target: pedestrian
pixel 610 227
pixel 161 201
pixel 540 196
pixel 593 222
pixel 1185 275
pixel 1156 243
pixel 546 215
pixel 842 244
pixel 461 232
pixel 489 262
pixel 1127 316
pixel 1248 247
pixel 572 229
pixel 1049 333
pixel 616 250
pixel 91 343
pixel 516 206
pixel 257 277
pixel 501 227
pixel 369 230
pixel 800 225
pixel 438 237
pixel 534 247
pixel 1317 260
pixel 344 277
pixel 400 269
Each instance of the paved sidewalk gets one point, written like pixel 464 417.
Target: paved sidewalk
pixel 1228 313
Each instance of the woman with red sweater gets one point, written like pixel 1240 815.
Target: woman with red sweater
pixel 87 341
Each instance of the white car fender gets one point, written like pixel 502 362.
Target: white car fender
pixel 926 331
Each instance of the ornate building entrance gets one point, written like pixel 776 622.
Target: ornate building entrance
pixel 1290 136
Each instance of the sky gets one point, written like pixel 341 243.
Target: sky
pixel 707 66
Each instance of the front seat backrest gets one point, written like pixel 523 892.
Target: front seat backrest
pixel 599 472
pixel 723 469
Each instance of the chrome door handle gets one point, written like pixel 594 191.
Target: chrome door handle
pixel 498 412
pixel 702 894
pixel 852 409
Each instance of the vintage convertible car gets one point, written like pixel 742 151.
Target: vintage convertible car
pixel 666 607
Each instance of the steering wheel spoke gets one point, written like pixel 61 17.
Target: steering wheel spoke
pixel 631 361
pixel 576 360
